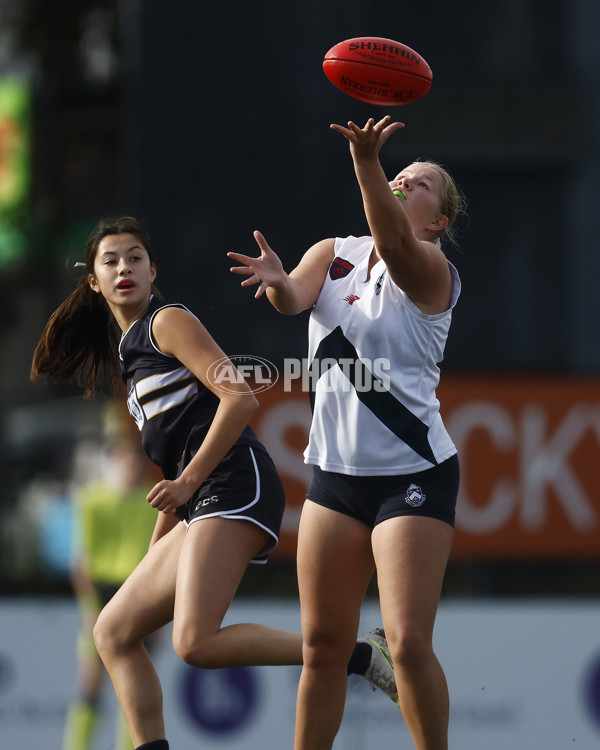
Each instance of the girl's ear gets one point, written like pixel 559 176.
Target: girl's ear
pixel 153 271
pixel 93 282
pixel 438 224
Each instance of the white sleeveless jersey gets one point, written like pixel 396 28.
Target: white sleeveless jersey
pixel 373 358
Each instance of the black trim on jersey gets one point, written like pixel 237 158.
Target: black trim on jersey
pixel 388 410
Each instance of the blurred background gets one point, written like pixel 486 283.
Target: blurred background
pixel 210 120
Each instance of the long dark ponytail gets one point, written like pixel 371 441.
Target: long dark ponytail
pixel 79 343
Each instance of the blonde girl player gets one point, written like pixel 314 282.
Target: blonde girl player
pixel 385 470
pixel 221 501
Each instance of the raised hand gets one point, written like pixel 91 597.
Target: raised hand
pixel 365 143
pixel 266 270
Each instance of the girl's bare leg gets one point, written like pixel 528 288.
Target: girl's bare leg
pixel 213 560
pixel 335 565
pixel 411 556
pixel 190 578
pixel 141 606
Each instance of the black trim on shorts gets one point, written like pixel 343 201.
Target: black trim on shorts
pixel 372 499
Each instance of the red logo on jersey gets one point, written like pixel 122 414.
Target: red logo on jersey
pixel 339 268
pixel 351 299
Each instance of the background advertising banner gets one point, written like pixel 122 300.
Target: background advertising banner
pixel 520 676
pixel 529 449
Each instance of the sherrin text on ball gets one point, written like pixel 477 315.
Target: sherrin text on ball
pixel 378 71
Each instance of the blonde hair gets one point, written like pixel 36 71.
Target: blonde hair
pixel 452 201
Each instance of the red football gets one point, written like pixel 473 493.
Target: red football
pixel 378 71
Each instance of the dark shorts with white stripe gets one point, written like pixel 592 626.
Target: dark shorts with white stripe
pixel 373 499
pixel 245 486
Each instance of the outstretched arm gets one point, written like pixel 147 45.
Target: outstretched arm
pixel 415 264
pixel 288 293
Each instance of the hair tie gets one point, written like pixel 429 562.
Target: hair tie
pixel 79 264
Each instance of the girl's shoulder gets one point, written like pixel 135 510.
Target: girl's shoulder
pixel 353 248
pixel 159 303
pixel 139 338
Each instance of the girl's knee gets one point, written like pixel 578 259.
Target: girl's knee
pixel 323 649
pixel 196 651
pixel 410 648
pixel 103 634
pixel 110 634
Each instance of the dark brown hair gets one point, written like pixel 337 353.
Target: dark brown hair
pixel 80 340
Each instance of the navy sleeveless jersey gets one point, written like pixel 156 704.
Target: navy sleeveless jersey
pixel 171 407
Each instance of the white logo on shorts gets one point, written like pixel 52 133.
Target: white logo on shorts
pixel 206 501
pixel 415 495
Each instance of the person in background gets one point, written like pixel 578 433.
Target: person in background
pixel 113 525
pixel 386 472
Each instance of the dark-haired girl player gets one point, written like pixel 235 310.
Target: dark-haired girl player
pixel 221 500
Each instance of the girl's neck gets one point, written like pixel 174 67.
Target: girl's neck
pixel 126 316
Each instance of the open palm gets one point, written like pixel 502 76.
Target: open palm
pixel 266 270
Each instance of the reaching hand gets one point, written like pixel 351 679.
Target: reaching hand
pixel 365 143
pixel 266 270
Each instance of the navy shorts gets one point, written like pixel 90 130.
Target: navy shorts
pixel 373 499
pixel 246 486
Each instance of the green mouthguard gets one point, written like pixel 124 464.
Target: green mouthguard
pixel 400 194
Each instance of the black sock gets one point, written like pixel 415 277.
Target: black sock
pixel 360 659
pixel 154 745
